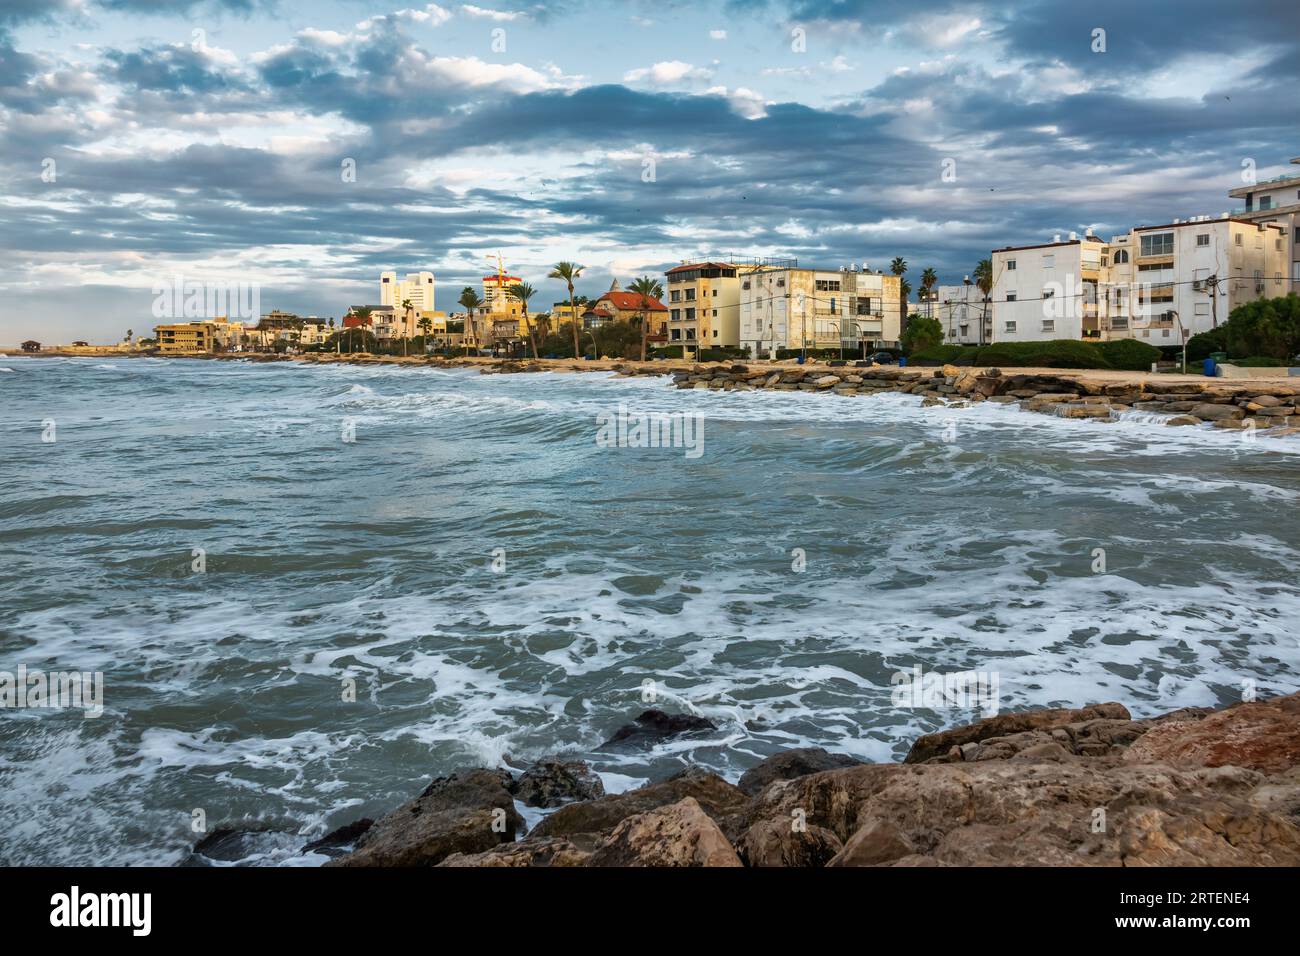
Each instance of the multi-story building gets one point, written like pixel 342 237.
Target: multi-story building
pixel 1158 284
pixel 960 310
pixel 209 335
pixel 703 305
pixel 417 288
pixel 1276 201
pixel 787 307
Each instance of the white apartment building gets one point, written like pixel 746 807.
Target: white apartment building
pixel 1046 291
pixel 1276 201
pixel 418 287
pixel 791 307
pixel 959 310
pixel 1157 284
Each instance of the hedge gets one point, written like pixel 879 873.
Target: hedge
pixel 1126 354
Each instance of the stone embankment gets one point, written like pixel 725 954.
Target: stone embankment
pixel 1063 787
pixel 1238 405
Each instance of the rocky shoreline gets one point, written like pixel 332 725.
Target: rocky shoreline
pixel 1051 787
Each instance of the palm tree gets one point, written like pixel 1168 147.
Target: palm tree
pixel 426 326
pixel 898 267
pixel 521 292
pixel 929 279
pixel 984 282
pixel 472 303
pixel 647 288
pixel 569 272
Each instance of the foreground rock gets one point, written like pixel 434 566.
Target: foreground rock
pixel 790 764
pixel 552 782
pixel 680 834
pixel 1085 786
pixel 467 812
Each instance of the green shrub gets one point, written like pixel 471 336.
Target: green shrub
pixel 1265 327
pixel 1200 346
pixel 1129 354
pixel 946 354
pixel 1058 353
pixel 921 334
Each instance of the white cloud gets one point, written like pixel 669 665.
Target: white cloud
pixel 743 101
pixel 718 34
pixel 484 13
pixel 667 73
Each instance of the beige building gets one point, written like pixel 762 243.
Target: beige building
pixel 1276 201
pixel 212 335
pixel 787 307
pixel 703 305
pixel 418 288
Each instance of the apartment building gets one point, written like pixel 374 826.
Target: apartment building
pixel 1157 284
pixel 1276 201
pixel 960 310
pixel 703 305
pixel 210 335
pixel 418 288
pixel 787 307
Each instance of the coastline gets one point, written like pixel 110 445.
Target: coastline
pixel 1088 786
pixel 1268 404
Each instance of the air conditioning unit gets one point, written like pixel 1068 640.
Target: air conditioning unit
pixel 1198 285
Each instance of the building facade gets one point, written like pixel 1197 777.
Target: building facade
pixel 787 307
pixel 210 335
pixel 1276 201
pixel 703 305
pixel 418 288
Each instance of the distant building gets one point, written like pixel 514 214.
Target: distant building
pixel 616 305
pixel 703 304
pixel 959 310
pixel 209 335
pixel 31 345
pixel 787 307
pixel 418 288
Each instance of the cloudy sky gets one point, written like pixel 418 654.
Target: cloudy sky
pixel 213 139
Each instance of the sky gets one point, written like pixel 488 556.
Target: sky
pixel 305 147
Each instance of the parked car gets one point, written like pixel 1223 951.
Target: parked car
pixel 882 358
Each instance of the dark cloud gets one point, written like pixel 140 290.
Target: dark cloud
pixel 170 69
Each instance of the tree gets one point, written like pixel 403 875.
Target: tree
pixel 521 292
pixel 569 272
pixel 984 282
pixel 646 289
pixel 922 332
pixel 898 267
pixel 472 303
pixel 426 326
pixel 929 279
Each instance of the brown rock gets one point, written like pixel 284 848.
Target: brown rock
pixel 790 764
pixel 1262 736
pixel 1002 725
pixel 525 853
pixel 1211 412
pixel 876 842
pixel 551 782
pixel 468 812
pixel 679 834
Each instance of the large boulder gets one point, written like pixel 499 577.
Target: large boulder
pixel 790 764
pixel 469 811
pixel 587 823
pixel 521 854
pixel 1263 736
pixel 652 726
pixel 679 834
pixel 939 744
pixel 1090 813
pixel 551 782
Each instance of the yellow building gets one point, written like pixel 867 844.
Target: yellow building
pixel 207 336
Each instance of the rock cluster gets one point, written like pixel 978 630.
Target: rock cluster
pixel 1076 787
pixel 1241 405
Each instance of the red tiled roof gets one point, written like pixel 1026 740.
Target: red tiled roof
pixel 631 302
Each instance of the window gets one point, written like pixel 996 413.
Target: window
pixel 690 315
pixel 1049 325
pixel 690 295
pixel 1164 333
pixel 1119 323
pixel 1121 256
pixel 715 333
pixel 1048 293
pixel 715 293
pixel 963 329
pixel 1009 326
pixel 677 315
pixel 1265 202
pixel 1158 244
pixel 827 285
pixel 1049 261
pixel 675 295
pixel 1202 238
pixel 715 313
pixel 1202 308
pixel 1011 297
pixel 1011 265
pixel 1237 238
pixel 745 284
